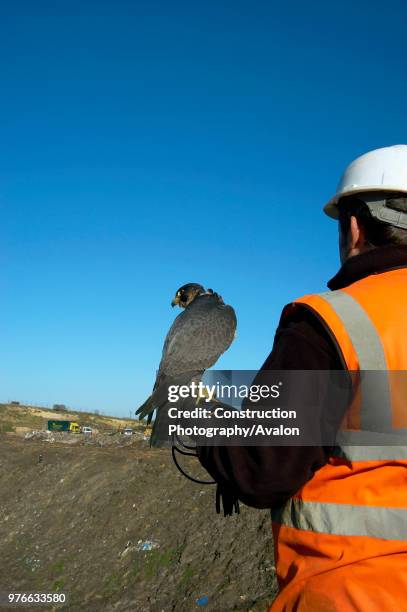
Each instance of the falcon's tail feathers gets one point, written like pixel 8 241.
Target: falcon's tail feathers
pixel 146 409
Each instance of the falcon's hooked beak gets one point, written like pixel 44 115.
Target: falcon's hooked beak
pixel 176 300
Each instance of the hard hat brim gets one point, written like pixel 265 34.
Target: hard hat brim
pixel 331 207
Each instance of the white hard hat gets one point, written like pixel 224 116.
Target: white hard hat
pixel 383 170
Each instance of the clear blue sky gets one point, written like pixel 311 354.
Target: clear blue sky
pixel 144 145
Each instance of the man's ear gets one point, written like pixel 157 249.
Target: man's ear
pixel 356 235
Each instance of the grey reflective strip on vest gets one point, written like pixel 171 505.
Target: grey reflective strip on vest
pixel 360 328
pixel 371 446
pixel 371 453
pixel 344 519
pixel 375 410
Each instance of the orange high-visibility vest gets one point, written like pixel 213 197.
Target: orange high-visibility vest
pixel 341 541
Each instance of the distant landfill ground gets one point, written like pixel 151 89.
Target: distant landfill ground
pixel 96 439
pixel 112 523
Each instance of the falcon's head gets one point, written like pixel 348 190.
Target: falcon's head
pixel 186 294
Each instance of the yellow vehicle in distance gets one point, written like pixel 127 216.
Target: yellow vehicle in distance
pixel 68 426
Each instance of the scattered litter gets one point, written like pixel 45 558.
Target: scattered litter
pixel 128 549
pixel 33 563
pixel 96 439
pixel 202 601
pixel 147 545
pixel 45 436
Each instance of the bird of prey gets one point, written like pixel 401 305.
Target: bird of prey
pixel 197 338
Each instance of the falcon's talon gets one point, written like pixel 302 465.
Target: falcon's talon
pixel 204 395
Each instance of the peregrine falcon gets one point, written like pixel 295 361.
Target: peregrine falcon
pixel 197 338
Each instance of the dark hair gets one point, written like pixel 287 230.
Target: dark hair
pixel 377 233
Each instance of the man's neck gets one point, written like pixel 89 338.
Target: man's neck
pixel 372 261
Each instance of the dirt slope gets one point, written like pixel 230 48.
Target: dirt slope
pixel 75 521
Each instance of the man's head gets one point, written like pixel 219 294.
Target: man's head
pixel 371 202
pixel 360 231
